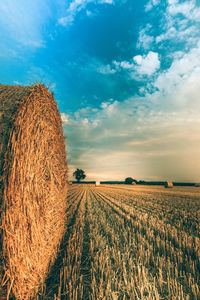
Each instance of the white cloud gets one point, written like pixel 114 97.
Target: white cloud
pixel 65 118
pixel 172 33
pixel 140 65
pixel 172 1
pixel 155 2
pixel 138 59
pixel 106 1
pixel 147 64
pixel 106 69
pixel 187 9
pixel 151 4
pixel 180 23
pixel 123 64
pixel 144 40
pixel 88 13
pixel 64 21
pixel 182 80
pixel 182 8
pixel 76 6
pixel 126 65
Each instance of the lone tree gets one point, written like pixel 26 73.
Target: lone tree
pixel 79 174
pixel 130 180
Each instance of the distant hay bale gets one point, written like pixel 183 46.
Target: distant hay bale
pixel 97 183
pixel 70 182
pixel 133 183
pixel 33 180
pixel 168 184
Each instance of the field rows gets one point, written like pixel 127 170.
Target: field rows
pixel 128 244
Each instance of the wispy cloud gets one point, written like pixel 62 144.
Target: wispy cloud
pixel 76 6
pixel 180 23
pixel 68 20
pixel 145 40
pixel 128 65
pixel 181 35
pixel 106 1
pixel 187 9
pixel 151 4
pixel 106 69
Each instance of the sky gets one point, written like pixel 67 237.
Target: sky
pixel 125 75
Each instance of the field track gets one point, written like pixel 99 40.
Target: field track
pixel 135 242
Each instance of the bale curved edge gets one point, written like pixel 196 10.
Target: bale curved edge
pixel 33 181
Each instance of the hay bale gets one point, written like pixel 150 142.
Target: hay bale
pixel 168 184
pixel 97 183
pixel 133 183
pixel 33 179
pixel 70 182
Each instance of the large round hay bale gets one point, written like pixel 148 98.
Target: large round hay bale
pixel 169 184
pixel 33 181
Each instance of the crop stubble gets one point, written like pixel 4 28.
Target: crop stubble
pixel 129 243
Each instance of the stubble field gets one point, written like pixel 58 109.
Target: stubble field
pixel 128 242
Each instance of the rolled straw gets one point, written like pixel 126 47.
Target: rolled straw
pixel 33 183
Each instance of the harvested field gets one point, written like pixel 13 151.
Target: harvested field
pixel 128 243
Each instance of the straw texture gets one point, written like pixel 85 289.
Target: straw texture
pixel 33 179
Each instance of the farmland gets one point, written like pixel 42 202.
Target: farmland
pixel 128 242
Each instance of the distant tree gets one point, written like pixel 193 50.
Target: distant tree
pixel 129 180
pixel 79 174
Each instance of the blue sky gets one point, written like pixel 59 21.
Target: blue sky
pixel 125 76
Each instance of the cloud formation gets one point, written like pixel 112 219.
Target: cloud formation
pixel 126 82
pixel 187 9
pixel 151 4
pixel 147 64
pixel 139 65
pixel 155 135
pixel 145 40
pixel 75 7
pixel 147 139
pixel 106 69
